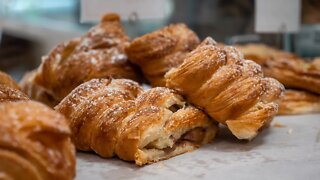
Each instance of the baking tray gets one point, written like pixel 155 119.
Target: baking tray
pixel 288 149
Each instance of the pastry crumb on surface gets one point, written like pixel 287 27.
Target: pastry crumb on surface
pixel 278 125
pixel 290 131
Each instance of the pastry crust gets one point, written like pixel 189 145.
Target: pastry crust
pixel 35 91
pixel 8 81
pixel 230 89
pixel 157 52
pixel 290 70
pixel 299 102
pixel 97 54
pixel 116 117
pixel 9 89
pixel 34 143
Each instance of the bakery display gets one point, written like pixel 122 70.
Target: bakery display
pixel 34 143
pixel 94 102
pixel 117 117
pixel 299 102
pixel 97 54
pixel 9 89
pixel 229 88
pixel 159 51
pixel 289 69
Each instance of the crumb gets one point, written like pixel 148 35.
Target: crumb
pixel 278 125
pixel 161 165
pixel 290 131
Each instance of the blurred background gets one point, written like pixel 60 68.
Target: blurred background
pixel 30 28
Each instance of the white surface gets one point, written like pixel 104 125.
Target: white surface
pixel 289 152
pixel 277 16
pixel 92 10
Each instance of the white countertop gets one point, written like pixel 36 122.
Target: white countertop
pixel 288 152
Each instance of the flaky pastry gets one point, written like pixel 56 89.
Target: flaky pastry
pixel 230 89
pixel 97 54
pixel 35 91
pixel 157 52
pixel 299 102
pixel 35 143
pixel 289 69
pixel 116 117
pixel 9 89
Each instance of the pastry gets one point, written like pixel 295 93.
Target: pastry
pixel 35 91
pixel 9 89
pixel 229 88
pixel 7 80
pixel 290 70
pixel 116 117
pixel 299 102
pixel 97 54
pixel 157 52
pixel 34 143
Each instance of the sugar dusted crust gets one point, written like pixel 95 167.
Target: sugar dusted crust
pixel 117 117
pixel 289 69
pixel 97 54
pixel 9 89
pixel 229 88
pixel 159 51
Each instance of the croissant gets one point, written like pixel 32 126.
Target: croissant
pixel 9 89
pixel 230 89
pixel 299 102
pixel 97 54
pixel 116 117
pixel 35 91
pixel 159 51
pixel 34 143
pixel 290 70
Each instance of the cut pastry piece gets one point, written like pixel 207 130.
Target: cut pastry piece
pixel 35 91
pixel 34 143
pixel 97 54
pixel 116 117
pixel 9 89
pixel 230 89
pixel 299 102
pixel 157 52
pixel 289 69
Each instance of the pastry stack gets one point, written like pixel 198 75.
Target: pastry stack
pixel 92 85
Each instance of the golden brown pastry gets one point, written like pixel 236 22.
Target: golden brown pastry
pixel 116 117
pixel 290 70
pixel 9 89
pixel 230 89
pixel 8 81
pixel 35 143
pixel 97 54
pixel 157 52
pixel 35 91
pixel 299 102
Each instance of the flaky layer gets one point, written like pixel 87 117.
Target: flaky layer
pixel 230 89
pixel 34 142
pixel 116 117
pixel 157 52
